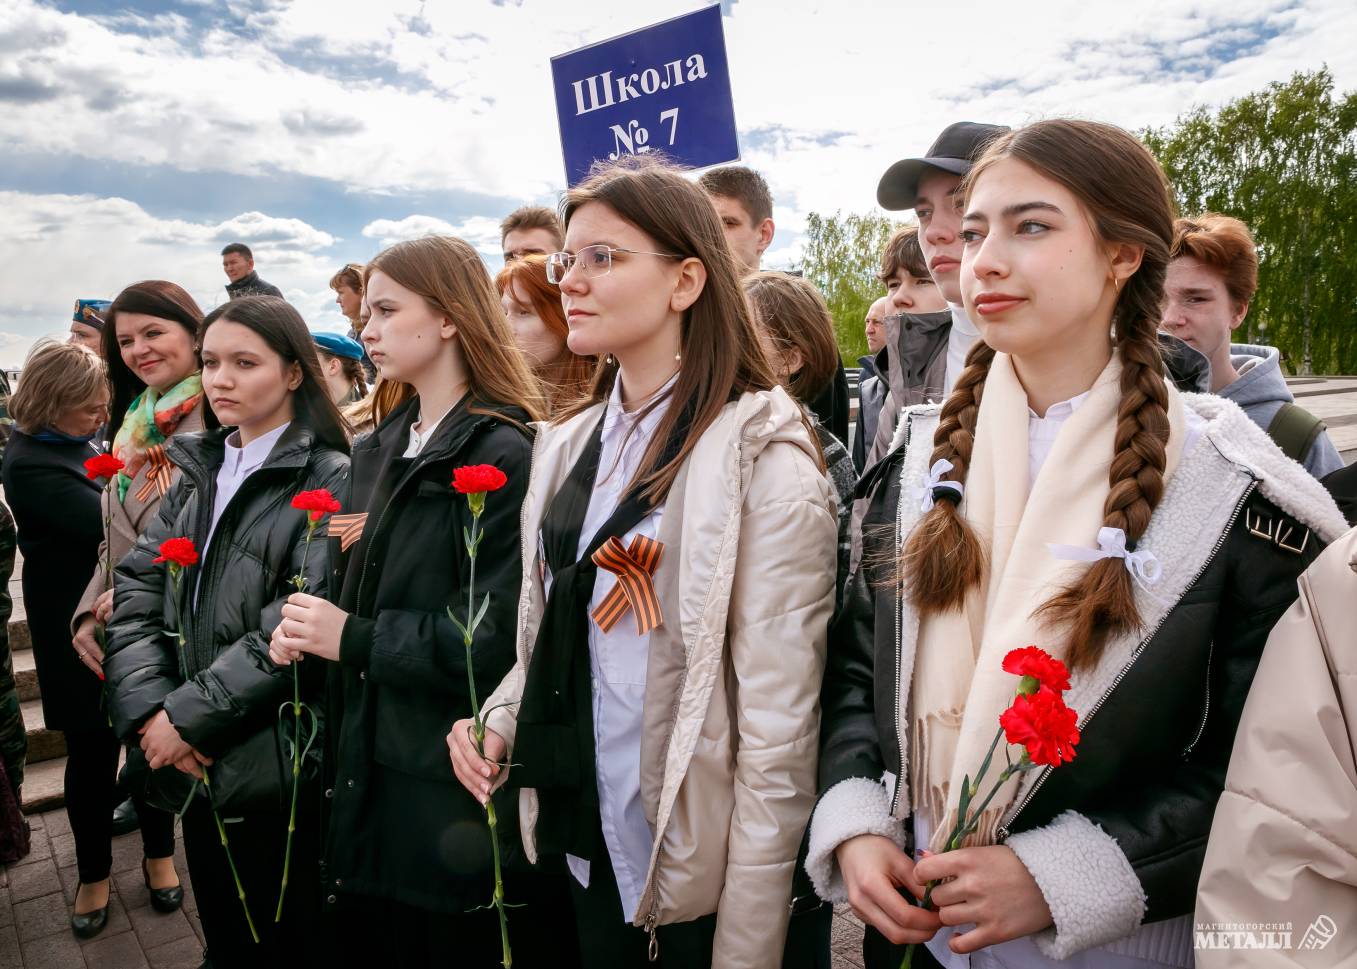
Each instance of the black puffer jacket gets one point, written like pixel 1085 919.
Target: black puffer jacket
pixel 400 825
pixel 1156 743
pixel 222 692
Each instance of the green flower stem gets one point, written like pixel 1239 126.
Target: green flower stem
pixel 299 580
pixel 965 826
pixel 226 847
pixel 497 902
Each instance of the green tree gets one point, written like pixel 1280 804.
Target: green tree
pixel 1284 160
pixel 841 257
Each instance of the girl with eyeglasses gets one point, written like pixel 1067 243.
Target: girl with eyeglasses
pixel 1065 495
pixel 678 561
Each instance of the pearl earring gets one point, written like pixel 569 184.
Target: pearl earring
pixel 609 360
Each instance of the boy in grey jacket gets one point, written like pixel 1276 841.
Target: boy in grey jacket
pixel 1211 279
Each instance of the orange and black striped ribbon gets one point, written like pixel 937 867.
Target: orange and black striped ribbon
pixel 159 471
pixel 347 528
pixel 634 591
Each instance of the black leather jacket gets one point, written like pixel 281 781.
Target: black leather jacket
pixel 1153 754
pixel 221 690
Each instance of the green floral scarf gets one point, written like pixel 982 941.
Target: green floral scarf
pixel 150 420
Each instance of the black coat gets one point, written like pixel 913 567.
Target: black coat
pixel 222 692
pixel 1180 699
pixel 831 406
pixel 401 827
pixel 56 507
pixel 251 285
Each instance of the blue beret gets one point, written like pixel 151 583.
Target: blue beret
pixel 91 312
pixel 339 345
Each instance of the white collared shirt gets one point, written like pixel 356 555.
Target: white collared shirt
pixel 618 661
pixel 237 465
pixel 1042 432
pixel 420 438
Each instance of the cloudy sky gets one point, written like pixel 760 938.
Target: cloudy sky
pixel 138 138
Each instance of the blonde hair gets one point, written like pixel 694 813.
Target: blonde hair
pixel 454 282
pixel 57 378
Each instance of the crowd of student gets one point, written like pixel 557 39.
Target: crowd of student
pixel 737 665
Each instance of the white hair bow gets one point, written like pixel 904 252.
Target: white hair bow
pixel 935 473
pixel 1144 567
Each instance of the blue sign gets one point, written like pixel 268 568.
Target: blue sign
pixel 662 89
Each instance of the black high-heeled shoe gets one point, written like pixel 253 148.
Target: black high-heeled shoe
pixel 163 900
pixel 89 924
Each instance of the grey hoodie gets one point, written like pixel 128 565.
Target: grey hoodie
pixel 1261 390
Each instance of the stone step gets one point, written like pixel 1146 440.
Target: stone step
pixel 43 744
pixel 26 675
pixel 44 785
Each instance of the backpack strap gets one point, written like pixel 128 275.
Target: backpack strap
pixel 1294 430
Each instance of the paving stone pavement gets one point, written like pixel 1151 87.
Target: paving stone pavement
pixel 35 911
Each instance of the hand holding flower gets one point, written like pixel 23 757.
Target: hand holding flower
pixel 309 625
pixel 103 607
pixel 479 775
pixel 989 887
pixel 874 870
pixel 194 763
pixel 161 743
pixel 86 644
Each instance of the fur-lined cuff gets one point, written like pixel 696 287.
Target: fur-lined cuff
pixel 849 808
pixel 1094 894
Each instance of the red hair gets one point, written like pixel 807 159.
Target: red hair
pixel 1225 245
pixel 567 379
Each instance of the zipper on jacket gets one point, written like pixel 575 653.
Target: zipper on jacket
pixel 1206 705
pixel 899 605
pixel 654 949
pixel 1003 831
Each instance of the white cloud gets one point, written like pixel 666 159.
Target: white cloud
pixel 446 98
pixel 57 248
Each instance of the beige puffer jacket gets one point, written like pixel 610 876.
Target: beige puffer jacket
pixel 732 712
pixel 1283 845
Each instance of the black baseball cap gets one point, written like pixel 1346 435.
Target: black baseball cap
pixel 955 150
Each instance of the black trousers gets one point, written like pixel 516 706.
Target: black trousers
pixel 91 796
pixel 257 846
pixel 808 938
pixel 608 939
pixel 380 932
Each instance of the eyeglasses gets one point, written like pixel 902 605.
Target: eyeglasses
pixel 594 260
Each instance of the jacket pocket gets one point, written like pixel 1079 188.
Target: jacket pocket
pixel 412 735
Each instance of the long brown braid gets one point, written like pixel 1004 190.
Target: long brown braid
pixel 943 557
pixel 1129 202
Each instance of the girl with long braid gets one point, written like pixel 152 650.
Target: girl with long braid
pixel 1064 495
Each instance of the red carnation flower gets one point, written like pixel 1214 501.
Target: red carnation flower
pixel 318 502
pixel 477 479
pixel 1044 725
pixel 1040 666
pixel 177 551
pixel 102 466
